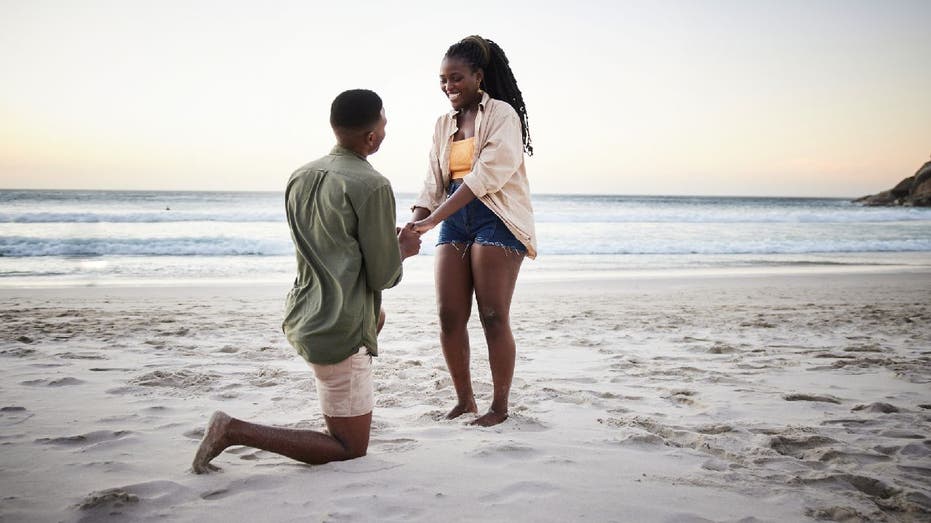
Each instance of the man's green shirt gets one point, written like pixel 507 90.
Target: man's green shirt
pixel 342 216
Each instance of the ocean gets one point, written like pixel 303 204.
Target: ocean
pixel 162 237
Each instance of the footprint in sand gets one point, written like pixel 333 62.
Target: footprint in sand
pixel 682 397
pixel 80 356
pixel 643 441
pixel 759 323
pixel 521 423
pixel 179 379
pixel 831 355
pixel 849 423
pixel 811 397
pixel 197 434
pixel 722 348
pixel 60 382
pixel 873 488
pixel 19 352
pixel 268 377
pixel 509 449
pixel 902 434
pixel 799 447
pixel 883 408
pixel 714 429
pixel 851 458
pixel 822 449
pixel 103 504
pixel 864 347
pixel 91 440
pixel 836 513
pixel 115 497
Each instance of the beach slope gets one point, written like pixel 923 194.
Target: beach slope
pixel 766 397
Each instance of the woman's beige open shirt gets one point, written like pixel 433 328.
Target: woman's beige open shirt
pixel 498 177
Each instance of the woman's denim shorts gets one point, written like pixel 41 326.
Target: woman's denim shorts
pixel 475 223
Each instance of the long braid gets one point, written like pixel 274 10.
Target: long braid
pixel 499 81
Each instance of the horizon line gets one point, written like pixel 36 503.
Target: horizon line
pixel 580 194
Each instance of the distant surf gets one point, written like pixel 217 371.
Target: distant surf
pixel 144 234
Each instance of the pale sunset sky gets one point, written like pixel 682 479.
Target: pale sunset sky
pixel 771 98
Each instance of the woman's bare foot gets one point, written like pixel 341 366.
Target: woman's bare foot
pixel 213 444
pixel 490 418
pixel 461 408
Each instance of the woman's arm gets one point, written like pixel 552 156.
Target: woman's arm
pixel 458 200
pixel 419 214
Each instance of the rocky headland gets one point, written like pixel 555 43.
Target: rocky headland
pixel 913 191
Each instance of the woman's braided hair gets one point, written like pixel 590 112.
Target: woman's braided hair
pixel 499 80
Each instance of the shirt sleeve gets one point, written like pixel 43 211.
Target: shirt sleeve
pixel 431 196
pixel 500 156
pixel 378 240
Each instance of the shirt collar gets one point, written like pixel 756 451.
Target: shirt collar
pixel 481 105
pixel 339 150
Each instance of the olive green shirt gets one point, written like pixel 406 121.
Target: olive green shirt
pixel 342 216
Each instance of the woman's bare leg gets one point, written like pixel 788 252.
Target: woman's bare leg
pixel 494 274
pixel 454 304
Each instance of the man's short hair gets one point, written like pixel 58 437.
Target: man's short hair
pixel 355 109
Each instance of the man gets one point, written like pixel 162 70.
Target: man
pixel 341 212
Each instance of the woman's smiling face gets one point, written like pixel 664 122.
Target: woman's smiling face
pixel 460 83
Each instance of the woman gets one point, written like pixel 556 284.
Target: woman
pixel 477 187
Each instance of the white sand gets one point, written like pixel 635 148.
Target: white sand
pixel 729 398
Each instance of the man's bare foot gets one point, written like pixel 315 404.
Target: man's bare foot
pixel 490 418
pixel 213 444
pixel 461 408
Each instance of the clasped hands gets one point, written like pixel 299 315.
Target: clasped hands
pixel 409 236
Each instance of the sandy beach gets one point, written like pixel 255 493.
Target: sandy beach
pixel 725 397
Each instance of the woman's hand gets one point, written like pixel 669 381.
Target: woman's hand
pixel 422 223
pixel 422 226
pixel 420 216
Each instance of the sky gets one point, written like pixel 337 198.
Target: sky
pixel 761 98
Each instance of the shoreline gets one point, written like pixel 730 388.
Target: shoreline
pixel 600 277
pixel 553 268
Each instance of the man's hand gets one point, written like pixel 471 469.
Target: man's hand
pixel 409 241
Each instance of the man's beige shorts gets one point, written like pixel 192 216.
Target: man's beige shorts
pixel 345 389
